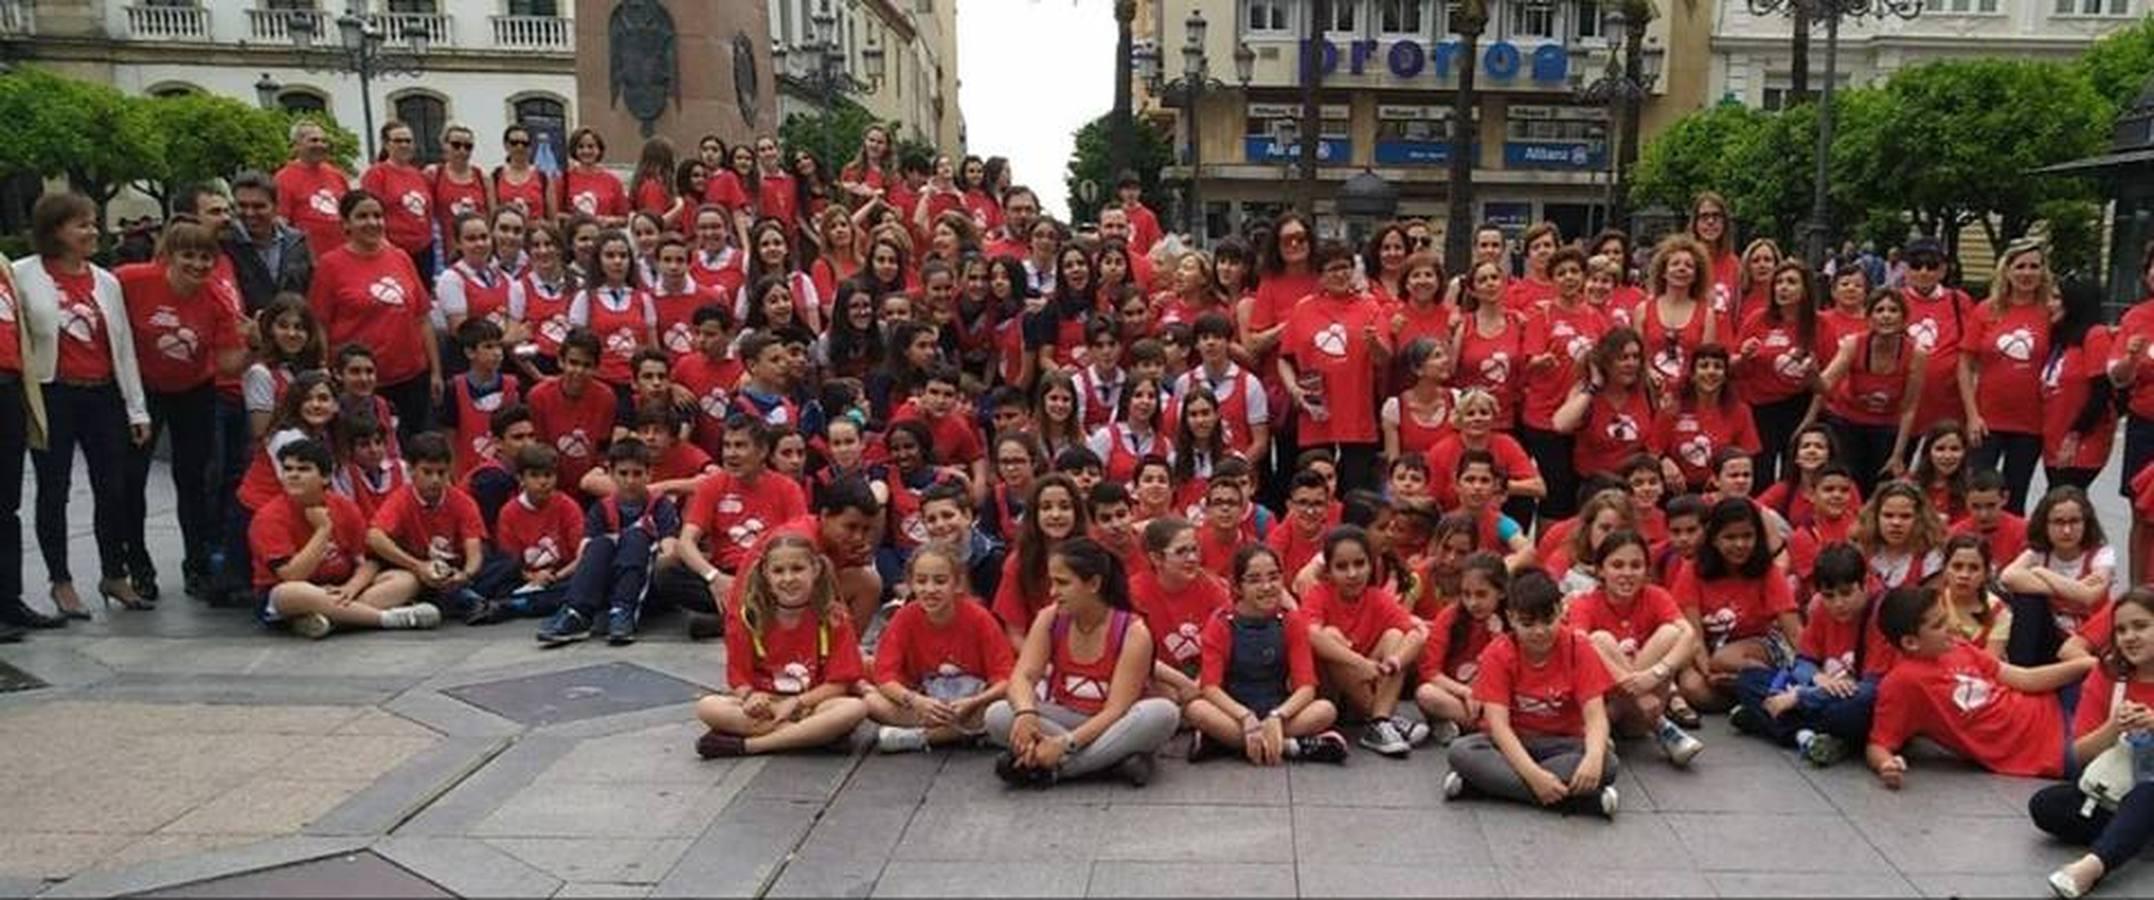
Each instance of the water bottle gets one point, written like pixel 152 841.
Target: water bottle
pixel 2142 749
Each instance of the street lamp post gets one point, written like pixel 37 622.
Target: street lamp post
pixel 1468 18
pixel 363 49
pixel 1196 80
pixel 826 77
pixel 266 91
pixel 1623 85
pixel 1831 11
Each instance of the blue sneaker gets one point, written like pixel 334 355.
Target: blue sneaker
pixel 564 627
pixel 621 626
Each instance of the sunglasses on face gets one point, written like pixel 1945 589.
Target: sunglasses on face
pixel 1712 216
pixel 1925 263
pixel 460 145
pixel 519 142
pixel 1293 240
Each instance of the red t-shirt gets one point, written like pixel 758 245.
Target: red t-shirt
pixel 2066 383
pixel 1567 335
pixel 2137 322
pixel 376 300
pixel 1176 619
pixel 1780 367
pixel 1277 296
pixel 543 536
pixel 1324 336
pixel 1732 609
pixel 1692 436
pixel 85 351
pixel 957 441
pixel 1294 548
pixel 1831 643
pixel 454 198
pixel 1496 364
pixel 1443 464
pixel 1464 665
pixel 280 530
pixel 676 313
pixel 407 203
pixel 712 383
pixel 1521 295
pixel 436 531
pixel 1957 700
pixel 2010 348
pixel 2094 700
pixel 577 427
pixel 795 659
pixel 177 339
pixel 1363 621
pixel 10 329
pixel 1548 697
pixel 734 513
pixel 1218 649
pixel 1616 429
pixel 2005 543
pixel 1941 325
pixel 1631 624
pixel 593 192
pixel 679 461
pixel 914 648
pixel 307 198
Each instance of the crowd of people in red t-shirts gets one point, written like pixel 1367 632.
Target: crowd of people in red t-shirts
pixel 927 458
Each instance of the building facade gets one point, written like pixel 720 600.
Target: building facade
pixel 1540 153
pixel 488 63
pixel 1751 60
pixel 917 83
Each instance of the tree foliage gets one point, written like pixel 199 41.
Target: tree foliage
pixel 2119 65
pixel 832 136
pixel 97 137
pixel 222 137
pixel 1093 160
pixel 1692 155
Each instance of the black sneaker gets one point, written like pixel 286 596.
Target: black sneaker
pixel 565 627
pixel 1749 720
pixel 621 626
pixel 489 612
pixel 705 627
pixel 1329 747
pixel 715 744
pixel 1202 748
pixel 1136 769
pixel 1006 768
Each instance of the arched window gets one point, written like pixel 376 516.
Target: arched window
pixel 426 115
pixel 301 102
pixel 171 89
pixel 547 120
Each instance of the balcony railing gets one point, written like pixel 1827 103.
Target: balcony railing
pixel 15 18
pixel 276 24
pixel 534 33
pixel 168 23
pixel 439 30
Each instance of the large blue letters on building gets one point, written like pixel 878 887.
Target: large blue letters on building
pixel 1501 61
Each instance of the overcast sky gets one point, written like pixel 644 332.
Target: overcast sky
pixel 1030 72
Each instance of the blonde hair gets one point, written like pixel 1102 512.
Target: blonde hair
pixel 1471 397
pixel 2001 292
pixel 1742 274
pixel 758 603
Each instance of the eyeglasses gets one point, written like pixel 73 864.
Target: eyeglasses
pixel 1294 240
pixel 518 142
pixel 1927 262
pixel 400 140
pixel 460 145
pixel 1422 241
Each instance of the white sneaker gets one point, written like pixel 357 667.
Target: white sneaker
pixel 1678 745
pixel 894 739
pixel 1415 733
pixel 1453 785
pixel 312 626
pixel 1382 736
pixel 1609 801
pixel 416 616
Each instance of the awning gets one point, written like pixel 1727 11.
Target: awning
pixel 2094 165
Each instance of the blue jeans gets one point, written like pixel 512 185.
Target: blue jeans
pixel 614 573
pixel 234 449
pixel 1847 718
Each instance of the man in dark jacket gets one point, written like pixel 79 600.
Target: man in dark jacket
pixel 268 256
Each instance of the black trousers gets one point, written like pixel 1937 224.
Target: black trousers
pixel 2018 452
pixel 1867 448
pixel 14 441
pixel 2116 837
pixel 188 417
pixel 94 419
pixel 1553 453
pixel 1776 424
pixel 413 401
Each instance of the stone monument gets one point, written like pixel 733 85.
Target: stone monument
pixel 679 68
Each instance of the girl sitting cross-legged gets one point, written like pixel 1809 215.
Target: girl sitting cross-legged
pixel 791 659
pixel 1258 678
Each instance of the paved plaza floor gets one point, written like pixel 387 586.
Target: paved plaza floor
pixel 185 751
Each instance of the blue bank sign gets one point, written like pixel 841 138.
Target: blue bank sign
pixel 1588 155
pixel 1501 61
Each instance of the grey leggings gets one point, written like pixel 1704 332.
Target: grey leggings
pixel 1476 759
pixel 1143 729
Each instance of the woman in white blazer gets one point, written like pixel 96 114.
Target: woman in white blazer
pixel 82 352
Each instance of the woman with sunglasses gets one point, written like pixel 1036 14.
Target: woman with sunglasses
pixel 407 197
pixel 459 187
pixel 1940 319
pixel 2007 344
pixel 519 183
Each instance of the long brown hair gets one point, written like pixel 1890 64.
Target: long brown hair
pixel 1033 544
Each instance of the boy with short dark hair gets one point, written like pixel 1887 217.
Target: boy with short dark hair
pixel 2006 718
pixel 356 384
pixel 540 532
pixel 957 438
pixel 1302 536
pixel 1989 518
pixel 477 393
pixel 1008 411
pixel 675 467
pixel 952 523
pixel 763 394
pixel 1821 702
pixel 574 410
pixel 431 529
pixel 1081 465
pixel 311 568
pixel 623 536
pixel 731 510
pixel 710 375
pixel 492 483
pixel 1686 529
pixel 1479 488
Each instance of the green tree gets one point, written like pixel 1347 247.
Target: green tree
pixel 1958 138
pixel 1692 155
pixel 2119 65
pixel 1093 158
pixel 831 136
pixel 95 136
pixel 222 136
